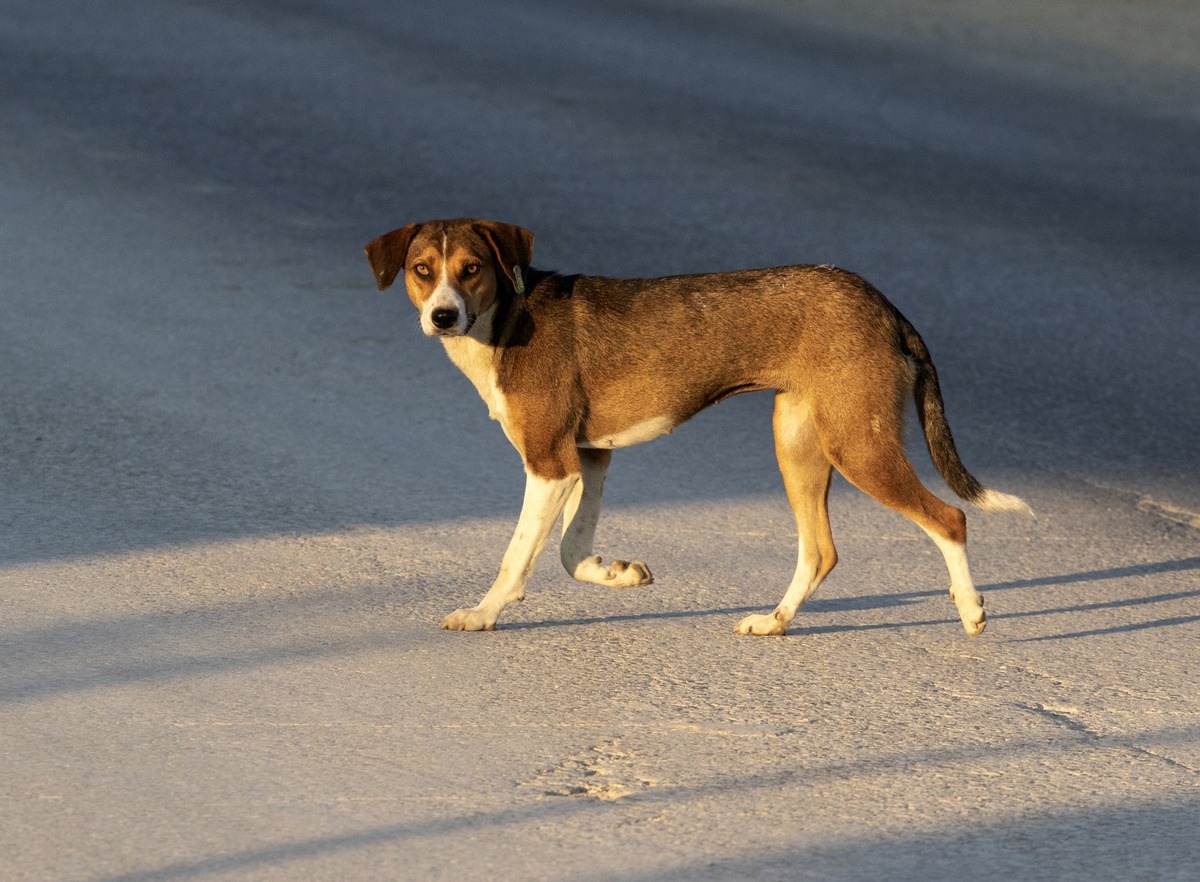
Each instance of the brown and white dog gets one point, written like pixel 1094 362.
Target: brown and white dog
pixel 574 366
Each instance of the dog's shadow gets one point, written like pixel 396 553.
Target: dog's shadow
pixel 634 617
pixel 884 601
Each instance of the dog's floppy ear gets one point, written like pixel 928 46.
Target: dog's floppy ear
pixel 387 253
pixel 512 247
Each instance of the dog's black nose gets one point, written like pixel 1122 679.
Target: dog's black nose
pixel 444 318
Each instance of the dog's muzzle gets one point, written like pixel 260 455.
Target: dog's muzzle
pixel 445 322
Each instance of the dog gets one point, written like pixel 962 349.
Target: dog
pixel 573 367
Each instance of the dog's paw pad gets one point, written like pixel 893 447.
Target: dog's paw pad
pixel 468 620
pixel 630 574
pixel 759 625
pixel 618 574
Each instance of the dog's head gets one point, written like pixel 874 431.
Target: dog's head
pixel 453 269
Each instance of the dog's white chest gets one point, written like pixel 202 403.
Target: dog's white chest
pixel 478 361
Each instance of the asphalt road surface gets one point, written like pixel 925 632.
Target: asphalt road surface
pixel 239 490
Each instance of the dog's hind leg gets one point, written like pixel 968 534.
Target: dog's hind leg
pixel 579 530
pixel 544 501
pixel 806 473
pixel 876 463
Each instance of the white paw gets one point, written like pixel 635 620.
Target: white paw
pixel 974 626
pixel 469 620
pixel 970 610
pixel 629 574
pixel 769 625
pixel 618 574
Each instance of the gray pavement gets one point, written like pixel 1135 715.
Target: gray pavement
pixel 238 489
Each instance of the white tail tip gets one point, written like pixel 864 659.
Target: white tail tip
pixel 993 500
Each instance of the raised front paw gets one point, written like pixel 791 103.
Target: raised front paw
pixel 759 625
pixel 618 574
pixel 629 574
pixel 469 620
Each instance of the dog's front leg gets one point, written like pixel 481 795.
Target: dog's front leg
pixel 544 501
pixel 579 530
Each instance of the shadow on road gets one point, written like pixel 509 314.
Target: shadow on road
pixel 884 601
pixel 1067 845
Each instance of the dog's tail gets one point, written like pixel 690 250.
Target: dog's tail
pixel 932 415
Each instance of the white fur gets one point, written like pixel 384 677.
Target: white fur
pixel 639 433
pixel 804 583
pixel 994 500
pixel 962 588
pixel 476 357
pixel 544 502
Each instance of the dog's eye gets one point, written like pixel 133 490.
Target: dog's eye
pixel 421 269
pixel 471 269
